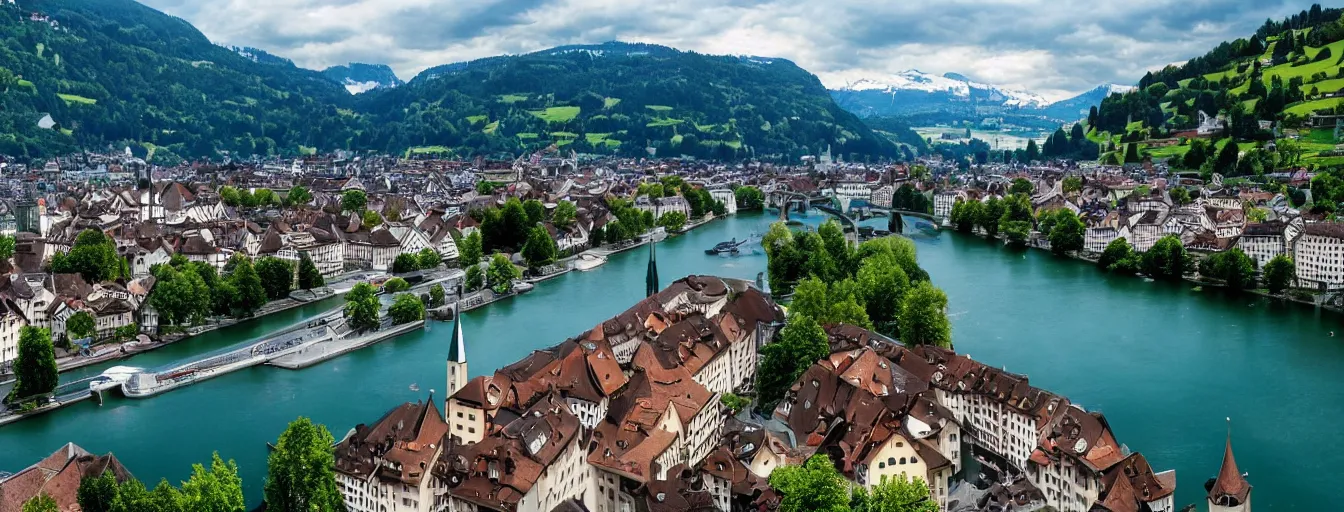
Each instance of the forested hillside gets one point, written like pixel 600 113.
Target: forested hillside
pixel 116 73
pixel 621 98
pixel 1264 89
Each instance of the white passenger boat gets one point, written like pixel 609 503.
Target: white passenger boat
pixel 587 261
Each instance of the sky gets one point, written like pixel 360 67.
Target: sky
pixel 1050 47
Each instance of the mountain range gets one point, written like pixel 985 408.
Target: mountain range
pixel 115 73
pixel 358 77
pixel 952 97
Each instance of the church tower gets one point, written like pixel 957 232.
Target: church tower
pixel 457 358
pixel 651 277
pixel 1229 492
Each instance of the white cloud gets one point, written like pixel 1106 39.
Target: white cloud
pixel 1049 47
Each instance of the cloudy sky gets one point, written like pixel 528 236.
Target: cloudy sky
pixel 1051 47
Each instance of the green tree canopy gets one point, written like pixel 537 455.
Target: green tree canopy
pixel 1279 273
pixel 35 365
pixel 1021 186
pixel 43 502
pixel 395 285
pixel 277 276
pixel 815 486
pixel 536 212
pixel 1233 267
pixel 801 343
pixel 749 198
pixel 672 221
pixel 299 196
pixel 428 258
pixel 98 493
pixel 301 470
pixel 405 262
pixel 250 292
pixel 501 273
pixel 437 297
pixel 923 317
pixel 406 308
pixel 218 489
pixel 80 325
pixel 474 278
pixel 354 201
pixel 1067 234
pixel 93 256
pixel 470 251
pixel 1167 259
pixel 309 276
pixel 565 214
pixel 362 307
pixel 539 250
pixel 899 494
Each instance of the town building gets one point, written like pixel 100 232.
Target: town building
pixel 1319 256
pixel 386 467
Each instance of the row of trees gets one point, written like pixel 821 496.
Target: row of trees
pixel 426 259
pixel 878 285
pixel 1168 260
pixel 300 478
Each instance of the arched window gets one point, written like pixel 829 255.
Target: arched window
pixel 891 461
pixel 914 460
pixel 902 460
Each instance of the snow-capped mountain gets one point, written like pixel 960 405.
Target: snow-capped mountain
pixel 951 97
pixel 960 86
pixel 358 78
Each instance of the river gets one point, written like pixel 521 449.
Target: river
pixel 1165 364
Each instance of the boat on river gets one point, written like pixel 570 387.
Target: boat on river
pixel 588 261
pixel 733 247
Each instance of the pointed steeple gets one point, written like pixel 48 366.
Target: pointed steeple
pixel 457 350
pixel 1230 488
pixel 651 278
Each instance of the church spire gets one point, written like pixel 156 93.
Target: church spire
pixel 457 360
pixel 651 278
pixel 457 350
pixel 1230 488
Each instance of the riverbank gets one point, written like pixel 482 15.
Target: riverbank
pixel 323 351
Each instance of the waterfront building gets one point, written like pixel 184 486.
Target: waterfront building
pixel 386 467
pixel 725 196
pixel 1319 256
pixel 943 202
pixel 12 323
pixel 924 409
pixel 1265 240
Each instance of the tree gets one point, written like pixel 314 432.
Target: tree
pixel 264 197
pixel 749 198
pixel 6 247
pixel 899 494
pixel 1226 162
pixel 1033 151
pixel 470 251
pixel 474 278
pixel 734 403
pixel 1279 273
pixel 1021 186
pixel 35 369
pixel 299 196
pixel 181 296
pixel 884 285
pixel 1017 232
pixel 990 214
pixel 801 343
pixel 354 201
pixel 251 293
pixel 536 212
pixel 1067 233
pixel 513 230
pixel 41 503
pixel 1072 184
pixel 125 332
pixel 1167 259
pixel 395 285
pixel 362 307
pixel 370 219
pixel 80 325
pixel 539 250
pixel 229 196
pixel 1180 196
pixel 405 262
pixel 501 273
pixel 672 221
pixel 815 486
pixel 429 258
pixel 300 474
pixel 309 276
pixel 923 317
pixel 93 256
pixel 565 214
pixel 436 296
pixel 1233 267
pixel 97 494
pixel 1116 250
pixel 485 188
pixel 277 276
pixel 1132 153
pixel 406 308
pixel 218 489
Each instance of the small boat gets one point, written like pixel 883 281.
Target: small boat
pixel 586 262
pixel 722 247
pixel 521 287
pixel 414 387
